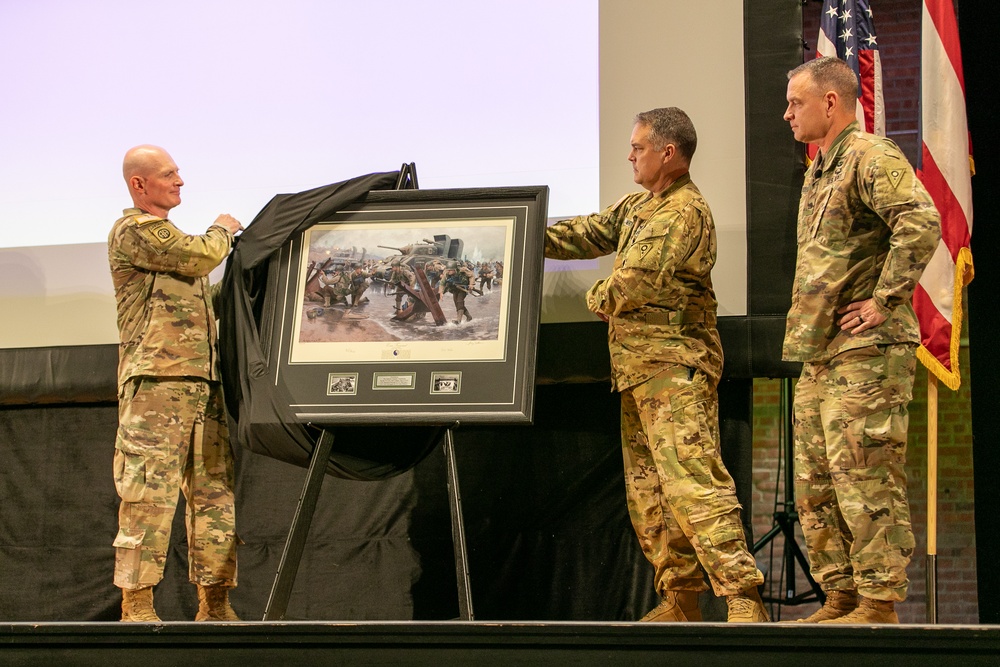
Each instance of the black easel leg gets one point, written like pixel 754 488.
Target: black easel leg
pixel 281 590
pixel 458 531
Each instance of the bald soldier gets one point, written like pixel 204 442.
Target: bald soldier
pixel 666 360
pixel 172 432
pixel 866 230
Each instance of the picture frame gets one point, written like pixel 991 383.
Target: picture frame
pixel 411 306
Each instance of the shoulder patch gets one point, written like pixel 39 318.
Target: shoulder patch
pixel 163 232
pixel 895 175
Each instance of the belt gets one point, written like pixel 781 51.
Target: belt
pixel 672 317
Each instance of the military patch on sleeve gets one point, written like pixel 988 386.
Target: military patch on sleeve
pixel 162 233
pixel 644 254
pixel 895 175
pixel 145 219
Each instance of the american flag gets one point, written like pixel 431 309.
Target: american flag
pixel 847 31
pixel 946 172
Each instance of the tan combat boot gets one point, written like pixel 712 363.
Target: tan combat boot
pixel 676 607
pixel 869 611
pixel 838 603
pixel 213 604
pixel 137 606
pixel 747 607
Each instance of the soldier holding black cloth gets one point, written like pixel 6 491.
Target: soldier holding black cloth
pixel 172 434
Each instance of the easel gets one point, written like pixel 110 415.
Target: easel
pixel 288 566
pixel 786 518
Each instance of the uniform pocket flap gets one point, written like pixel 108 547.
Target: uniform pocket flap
pixel 706 510
pixel 687 397
pixel 724 534
pixel 129 539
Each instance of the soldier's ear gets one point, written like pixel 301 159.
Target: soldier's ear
pixel 832 100
pixel 136 183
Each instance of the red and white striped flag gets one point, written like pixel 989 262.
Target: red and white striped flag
pixel 946 172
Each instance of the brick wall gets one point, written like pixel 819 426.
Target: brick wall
pixel 897 24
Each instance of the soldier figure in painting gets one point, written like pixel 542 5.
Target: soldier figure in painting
pixel 400 275
pixel 457 280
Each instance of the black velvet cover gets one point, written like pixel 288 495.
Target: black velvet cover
pixel 273 431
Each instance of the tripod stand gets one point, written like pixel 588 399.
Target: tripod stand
pixel 786 518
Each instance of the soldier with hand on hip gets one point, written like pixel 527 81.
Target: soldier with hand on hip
pixel 866 230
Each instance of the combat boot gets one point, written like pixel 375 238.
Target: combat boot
pixel 137 606
pixel 869 611
pixel 676 607
pixel 213 604
pixel 747 607
pixel 838 603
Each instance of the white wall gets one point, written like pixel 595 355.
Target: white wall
pixel 688 55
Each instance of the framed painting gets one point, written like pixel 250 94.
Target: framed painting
pixel 411 306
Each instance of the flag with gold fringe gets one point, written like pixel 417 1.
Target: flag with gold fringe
pixel 946 171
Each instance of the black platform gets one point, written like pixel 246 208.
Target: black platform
pixel 493 643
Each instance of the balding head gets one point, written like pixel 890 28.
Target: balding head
pixel 153 179
pixel 141 160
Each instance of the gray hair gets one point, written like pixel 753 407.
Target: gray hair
pixel 829 73
pixel 670 125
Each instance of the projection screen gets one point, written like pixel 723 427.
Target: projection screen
pixel 258 98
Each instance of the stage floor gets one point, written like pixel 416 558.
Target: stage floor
pixel 494 643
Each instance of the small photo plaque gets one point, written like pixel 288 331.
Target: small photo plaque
pixel 342 384
pixel 446 382
pixel 388 381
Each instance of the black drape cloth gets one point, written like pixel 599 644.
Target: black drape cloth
pixel 264 420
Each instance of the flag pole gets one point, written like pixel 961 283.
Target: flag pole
pixel 932 474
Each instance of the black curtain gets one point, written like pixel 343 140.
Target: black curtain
pixel 977 22
pixel 547 529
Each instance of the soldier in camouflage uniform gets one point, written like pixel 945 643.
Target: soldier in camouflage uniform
pixel 666 360
pixel 866 230
pixel 172 433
